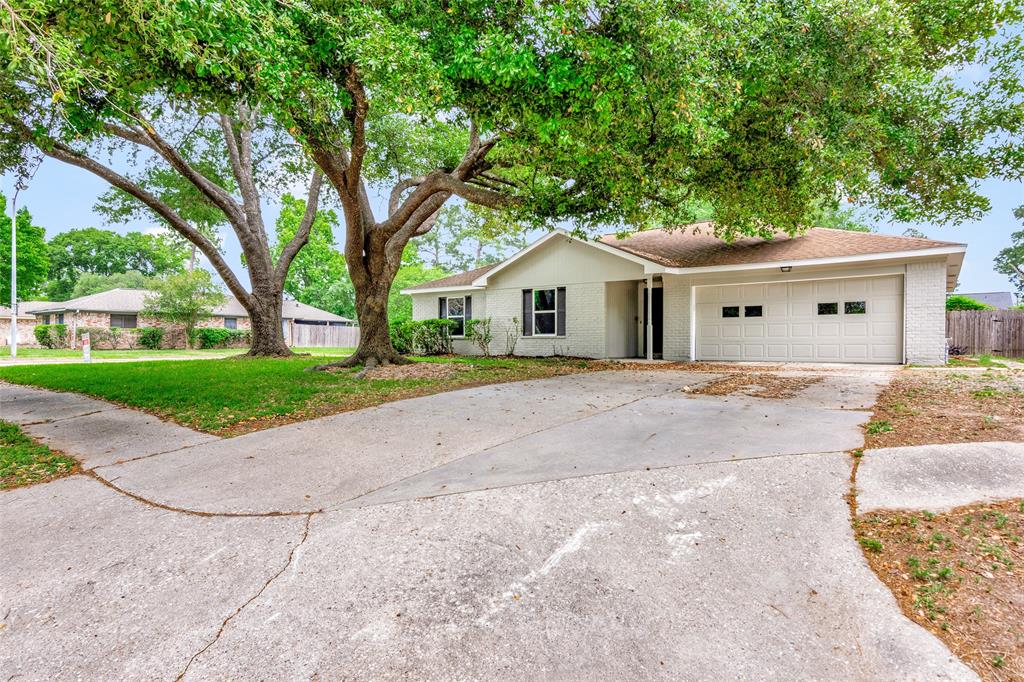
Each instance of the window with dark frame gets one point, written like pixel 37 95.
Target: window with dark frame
pixel 855 307
pixel 544 309
pixel 124 321
pixel 231 323
pixel 828 308
pixel 752 311
pixel 456 312
pixel 730 311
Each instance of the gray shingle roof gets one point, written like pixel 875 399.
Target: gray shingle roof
pixel 131 301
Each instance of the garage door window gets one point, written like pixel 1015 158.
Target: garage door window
pixel 730 311
pixel 828 308
pixel 752 311
pixel 855 307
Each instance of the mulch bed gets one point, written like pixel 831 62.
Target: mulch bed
pixel 758 385
pixel 418 370
pixel 960 574
pixel 928 407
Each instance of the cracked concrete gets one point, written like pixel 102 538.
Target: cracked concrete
pixel 744 568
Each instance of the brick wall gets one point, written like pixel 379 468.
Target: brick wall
pixel 925 312
pixel 676 318
pixel 584 321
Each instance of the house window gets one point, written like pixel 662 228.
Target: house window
pixel 124 321
pixel 60 318
pixel 544 312
pixel 455 310
pixel 45 319
pixel 730 311
pixel 855 307
pixel 231 323
pixel 752 311
pixel 828 308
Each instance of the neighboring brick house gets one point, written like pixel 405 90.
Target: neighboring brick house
pixel 122 308
pixel 823 296
pixel 26 327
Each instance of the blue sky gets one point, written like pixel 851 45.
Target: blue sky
pixel 61 197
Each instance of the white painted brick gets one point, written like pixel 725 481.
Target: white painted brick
pixel 676 318
pixel 925 312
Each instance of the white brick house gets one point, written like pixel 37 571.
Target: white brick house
pixel 824 296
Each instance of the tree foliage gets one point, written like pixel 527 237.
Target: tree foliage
pixel 467 237
pixel 318 276
pixel 961 302
pixel 104 252
pixel 1010 261
pixel 91 283
pixel 185 299
pixel 33 260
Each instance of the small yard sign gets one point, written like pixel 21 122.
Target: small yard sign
pixel 86 348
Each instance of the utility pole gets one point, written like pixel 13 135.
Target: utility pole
pixel 14 272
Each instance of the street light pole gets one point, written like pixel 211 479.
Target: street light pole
pixel 14 273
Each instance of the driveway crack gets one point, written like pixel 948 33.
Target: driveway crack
pixel 224 624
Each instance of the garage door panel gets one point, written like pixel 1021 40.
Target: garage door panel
pixel 792 329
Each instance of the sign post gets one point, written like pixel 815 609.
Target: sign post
pixel 86 348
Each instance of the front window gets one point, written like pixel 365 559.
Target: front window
pixel 544 312
pixel 230 323
pixel 456 312
pixel 124 321
pixel 60 318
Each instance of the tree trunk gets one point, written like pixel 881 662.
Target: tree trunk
pixel 266 327
pixel 374 334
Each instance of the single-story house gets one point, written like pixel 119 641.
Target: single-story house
pixel 1000 300
pixel 26 327
pixel 823 296
pixel 123 308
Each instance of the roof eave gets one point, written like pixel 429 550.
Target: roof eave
pixel 957 249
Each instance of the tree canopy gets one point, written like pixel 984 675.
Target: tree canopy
pixel 90 283
pixel 185 299
pixel 104 252
pixel 33 260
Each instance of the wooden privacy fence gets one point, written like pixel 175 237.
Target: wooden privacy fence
pixel 995 332
pixel 322 336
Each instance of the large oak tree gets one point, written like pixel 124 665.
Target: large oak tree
pixel 598 113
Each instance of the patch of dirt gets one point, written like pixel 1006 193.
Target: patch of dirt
pixel 758 385
pixel 959 574
pixel 419 370
pixel 922 407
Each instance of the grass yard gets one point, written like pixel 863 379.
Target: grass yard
pixel 959 574
pixel 24 461
pixel 237 395
pixel 100 354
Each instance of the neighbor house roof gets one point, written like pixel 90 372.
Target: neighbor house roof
pixel 132 301
pixel 692 247
pixel 5 312
pixel 996 299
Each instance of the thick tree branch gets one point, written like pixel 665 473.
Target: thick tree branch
pixel 398 189
pixel 67 155
pixel 301 237
pixel 357 118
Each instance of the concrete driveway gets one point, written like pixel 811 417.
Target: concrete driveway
pixel 611 525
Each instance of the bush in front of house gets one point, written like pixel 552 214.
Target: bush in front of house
pixel 479 332
pixel 426 337
pixel 218 337
pixel 961 302
pixel 51 335
pixel 151 337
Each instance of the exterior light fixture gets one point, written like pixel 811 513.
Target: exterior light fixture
pixel 786 268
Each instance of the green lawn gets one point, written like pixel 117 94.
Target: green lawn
pixel 236 395
pixel 23 461
pixel 5 352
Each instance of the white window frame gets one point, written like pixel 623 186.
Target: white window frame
pixel 553 312
pixel 448 315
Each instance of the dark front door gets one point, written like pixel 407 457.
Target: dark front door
pixel 657 307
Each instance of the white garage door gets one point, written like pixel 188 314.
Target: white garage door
pixel 828 320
